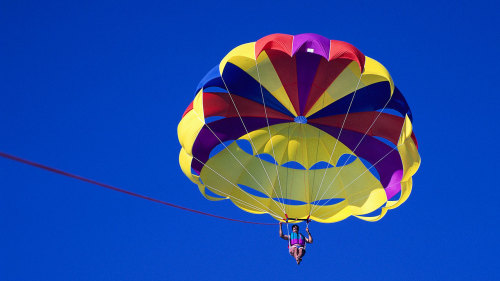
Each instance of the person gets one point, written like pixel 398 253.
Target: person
pixel 297 242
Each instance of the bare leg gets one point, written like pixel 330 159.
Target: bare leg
pixel 292 251
pixel 296 254
pixel 300 253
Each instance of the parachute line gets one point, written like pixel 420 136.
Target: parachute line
pixel 333 150
pixel 268 129
pixel 241 201
pixel 251 141
pixel 354 150
pixel 205 165
pixel 236 158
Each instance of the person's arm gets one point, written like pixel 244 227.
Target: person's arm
pixel 310 238
pixel 281 233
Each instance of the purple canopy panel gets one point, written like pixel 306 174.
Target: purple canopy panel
pixel 310 42
pixel 307 65
pixel 390 168
pixel 224 129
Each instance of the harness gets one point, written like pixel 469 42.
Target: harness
pixel 296 238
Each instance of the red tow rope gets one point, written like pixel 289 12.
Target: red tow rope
pixel 60 172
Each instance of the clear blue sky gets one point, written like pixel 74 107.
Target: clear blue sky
pixel 97 89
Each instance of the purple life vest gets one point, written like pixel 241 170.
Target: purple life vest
pixel 297 238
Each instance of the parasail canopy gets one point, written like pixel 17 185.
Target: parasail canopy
pixel 300 127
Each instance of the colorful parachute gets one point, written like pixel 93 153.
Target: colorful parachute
pixel 300 127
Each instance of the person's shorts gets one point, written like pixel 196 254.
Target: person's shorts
pixel 298 247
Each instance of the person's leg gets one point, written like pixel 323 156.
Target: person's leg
pixel 299 255
pixel 296 254
pixel 300 252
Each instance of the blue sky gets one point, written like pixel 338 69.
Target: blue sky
pixel 97 89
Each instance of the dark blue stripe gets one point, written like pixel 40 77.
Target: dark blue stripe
pixel 398 103
pixel 369 98
pixel 211 79
pixel 240 83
